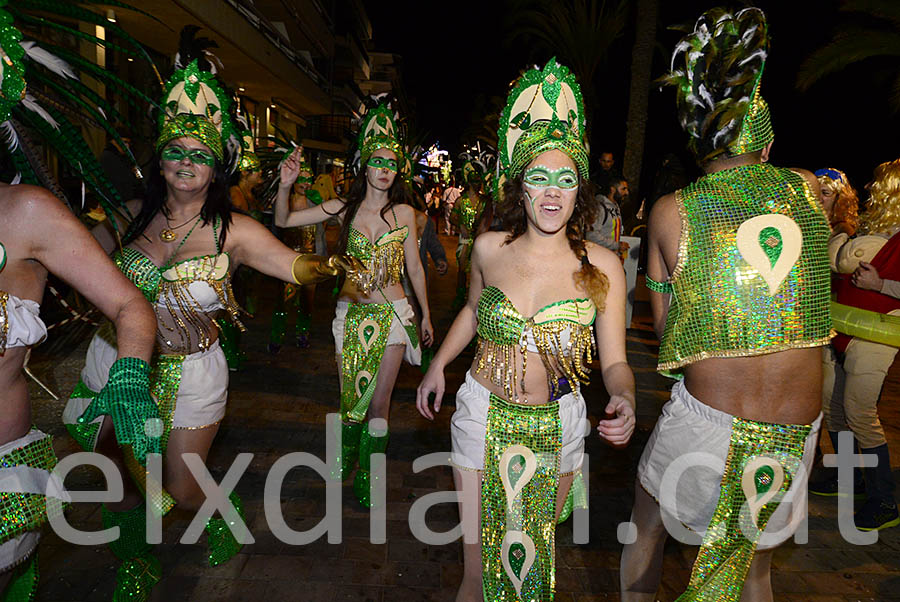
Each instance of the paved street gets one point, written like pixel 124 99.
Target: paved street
pixel 278 404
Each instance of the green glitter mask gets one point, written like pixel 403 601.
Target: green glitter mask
pixel 383 163
pixel 540 176
pixel 12 67
pixel 197 156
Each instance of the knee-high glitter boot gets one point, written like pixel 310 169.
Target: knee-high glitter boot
pixel 140 569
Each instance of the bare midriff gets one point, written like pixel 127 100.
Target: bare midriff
pixel 783 387
pixel 15 409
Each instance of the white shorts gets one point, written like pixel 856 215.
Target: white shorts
pixel 687 426
pixel 403 315
pixel 468 428
pixel 202 393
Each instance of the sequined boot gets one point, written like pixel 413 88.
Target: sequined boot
pixel 140 569
pixel 577 498
pixel 350 435
pixel 276 334
pixel 368 445
pixel 221 543
pixel 229 338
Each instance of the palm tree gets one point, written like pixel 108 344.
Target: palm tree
pixel 579 32
pixel 636 124
pixel 878 36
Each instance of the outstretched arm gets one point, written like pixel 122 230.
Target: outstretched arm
pixel 284 217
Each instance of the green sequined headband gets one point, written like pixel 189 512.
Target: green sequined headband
pixel 12 67
pixel 198 127
pixel 378 130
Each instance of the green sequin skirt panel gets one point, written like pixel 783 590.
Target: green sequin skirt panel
pixel 22 512
pixel 518 501
pixel 762 461
pixel 366 330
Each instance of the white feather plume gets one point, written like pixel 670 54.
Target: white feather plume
pixel 48 60
pixel 11 138
pixel 31 104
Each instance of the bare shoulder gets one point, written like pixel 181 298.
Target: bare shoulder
pixel 488 243
pixel 601 257
pixel 664 211
pixel 405 213
pixel 26 200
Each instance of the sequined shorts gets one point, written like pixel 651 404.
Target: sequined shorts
pixel 403 315
pixel 468 428
pixel 25 483
pixel 201 397
pixel 688 426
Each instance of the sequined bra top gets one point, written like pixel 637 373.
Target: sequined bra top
pixel 20 322
pixel 560 333
pixel 752 275
pixel 384 258
pixel 184 295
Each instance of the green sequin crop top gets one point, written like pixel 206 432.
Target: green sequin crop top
pixel 752 275
pixel 560 333
pixel 185 296
pixel 384 258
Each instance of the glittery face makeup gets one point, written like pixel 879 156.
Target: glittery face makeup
pixel 550 187
pixel 383 163
pixel 196 156
pixel 541 176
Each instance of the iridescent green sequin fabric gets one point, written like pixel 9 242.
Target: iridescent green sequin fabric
pixel 140 270
pixel 366 330
pixel 21 512
pixel 762 461
pixel 756 127
pixel 503 331
pixel 752 274
pixel 468 210
pixel 518 501
pixel 384 258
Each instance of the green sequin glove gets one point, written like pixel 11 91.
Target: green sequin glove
pixel 126 399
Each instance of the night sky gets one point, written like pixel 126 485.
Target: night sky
pixel 454 51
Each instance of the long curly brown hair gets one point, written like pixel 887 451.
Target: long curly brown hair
pixel 513 220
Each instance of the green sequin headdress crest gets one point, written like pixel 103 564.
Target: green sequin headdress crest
pixel 544 111
pixel 195 99
pixel 378 129
pixel 716 70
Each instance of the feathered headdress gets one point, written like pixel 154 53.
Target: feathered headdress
pixel 41 93
pixel 544 111
pixel 195 103
pixel 716 70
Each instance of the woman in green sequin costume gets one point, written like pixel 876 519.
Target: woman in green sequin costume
pixel 38 236
pixel 373 326
pixel 180 247
pixel 738 270
pixel 520 420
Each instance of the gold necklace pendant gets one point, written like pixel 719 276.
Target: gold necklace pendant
pixel 166 235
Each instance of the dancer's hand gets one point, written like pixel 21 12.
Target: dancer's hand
pixel 427 332
pixel 433 382
pixel 290 169
pixel 617 431
pixel 126 399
